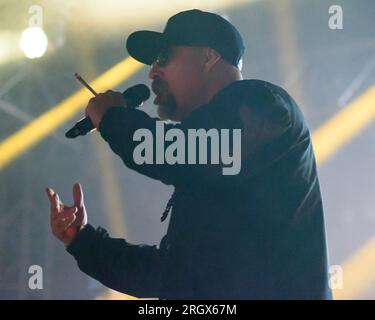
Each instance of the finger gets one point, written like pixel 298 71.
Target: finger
pixel 70 210
pixel 54 201
pixel 57 205
pixel 68 222
pixel 98 99
pixel 67 212
pixel 90 105
pixel 49 193
pixel 60 225
pixel 92 100
pixel 118 97
pixel 78 195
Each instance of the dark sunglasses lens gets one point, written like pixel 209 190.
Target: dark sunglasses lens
pixel 163 57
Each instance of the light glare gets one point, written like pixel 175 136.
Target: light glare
pixel 33 42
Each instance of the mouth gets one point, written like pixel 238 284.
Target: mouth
pixel 156 87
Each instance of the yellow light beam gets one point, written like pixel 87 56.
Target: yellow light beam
pixel 346 124
pixel 110 294
pixel 38 129
pixel 358 270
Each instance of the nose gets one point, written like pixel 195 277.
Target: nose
pixel 154 71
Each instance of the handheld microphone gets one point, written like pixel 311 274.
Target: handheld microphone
pixel 134 96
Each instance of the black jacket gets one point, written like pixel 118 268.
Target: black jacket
pixel 256 235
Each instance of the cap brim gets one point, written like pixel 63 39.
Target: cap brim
pixel 145 46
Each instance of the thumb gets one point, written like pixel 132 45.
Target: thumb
pixel 78 195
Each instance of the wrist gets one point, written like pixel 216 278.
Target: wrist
pixel 73 234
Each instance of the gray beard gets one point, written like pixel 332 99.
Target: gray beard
pixel 168 109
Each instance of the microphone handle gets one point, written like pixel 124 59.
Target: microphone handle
pixel 82 127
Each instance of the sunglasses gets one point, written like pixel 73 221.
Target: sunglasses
pixel 164 56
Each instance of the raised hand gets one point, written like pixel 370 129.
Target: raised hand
pixel 67 221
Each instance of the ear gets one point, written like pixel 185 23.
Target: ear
pixel 211 58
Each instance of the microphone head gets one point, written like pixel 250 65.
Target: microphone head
pixel 136 95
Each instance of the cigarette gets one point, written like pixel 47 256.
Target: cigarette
pixel 79 78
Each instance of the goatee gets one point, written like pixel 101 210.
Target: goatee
pixel 167 109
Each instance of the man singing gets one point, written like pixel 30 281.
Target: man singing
pixel 257 234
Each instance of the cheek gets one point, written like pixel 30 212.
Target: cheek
pixel 184 81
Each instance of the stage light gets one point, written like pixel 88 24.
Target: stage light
pixel 33 42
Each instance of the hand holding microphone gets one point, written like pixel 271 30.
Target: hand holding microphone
pixel 97 106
